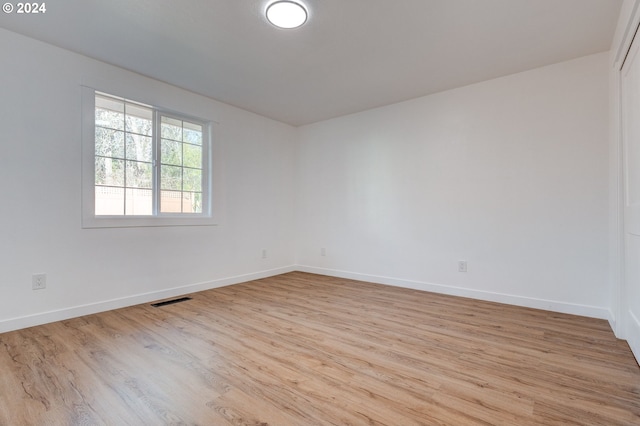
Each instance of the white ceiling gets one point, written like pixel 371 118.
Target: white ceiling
pixel 351 55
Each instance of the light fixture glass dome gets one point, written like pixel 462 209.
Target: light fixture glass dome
pixel 286 14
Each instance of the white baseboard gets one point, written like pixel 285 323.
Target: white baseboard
pixel 528 302
pixel 92 308
pixel 633 335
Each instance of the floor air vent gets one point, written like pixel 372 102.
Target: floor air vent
pixel 170 302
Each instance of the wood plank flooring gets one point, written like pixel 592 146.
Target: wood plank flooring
pixel 303 349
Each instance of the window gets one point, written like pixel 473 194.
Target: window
pixel 180 166
pixel 143 166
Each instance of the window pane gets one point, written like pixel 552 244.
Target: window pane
pixel 171 177
pixel 192 180
pixel 139 148
pixel 171 128
pixel 139 201
pixel 109 171
pixel 192 156
pixel 109 143
pixel 110 119
pixel 109 201
pixel 170 201
pixel 139 175
pixel 192 202
pixel 139 119
pixel 192 133
pixel 171 152
pixel 110 103
pixel 109 112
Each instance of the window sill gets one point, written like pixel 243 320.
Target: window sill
pixel 145 221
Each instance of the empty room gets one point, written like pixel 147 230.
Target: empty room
pixel 320 212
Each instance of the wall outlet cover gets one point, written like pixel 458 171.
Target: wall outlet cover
pixel 39 281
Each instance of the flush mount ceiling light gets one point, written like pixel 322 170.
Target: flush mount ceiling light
pixel 286 14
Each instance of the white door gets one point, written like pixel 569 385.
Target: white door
pixel 630 108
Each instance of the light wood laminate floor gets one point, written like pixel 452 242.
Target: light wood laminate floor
pixel 303 349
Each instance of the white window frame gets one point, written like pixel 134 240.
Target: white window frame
pixel 91 220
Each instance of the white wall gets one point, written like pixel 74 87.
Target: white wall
pixel 93 269
pixel 509 174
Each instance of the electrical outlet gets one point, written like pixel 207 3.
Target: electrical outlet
pixel 323 251
pixel 462 266
pixel 39 281
pixel 264 253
